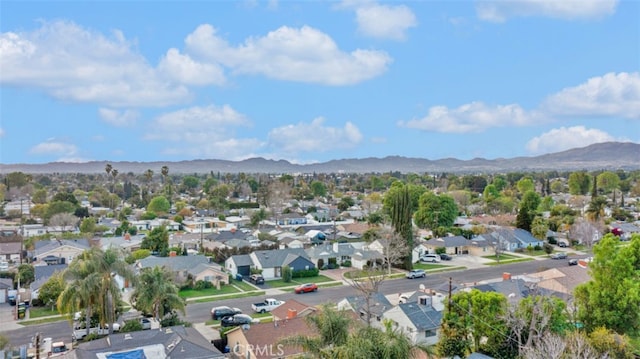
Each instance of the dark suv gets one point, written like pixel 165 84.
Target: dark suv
pixel 256 279
pixel 224 311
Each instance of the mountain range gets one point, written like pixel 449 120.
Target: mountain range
pixel 600 156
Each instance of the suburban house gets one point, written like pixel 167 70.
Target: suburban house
pixel 624 230
pixel 42 274
pixel 6 284
pixel 511 239
pixel 270 262
pixel 58 251
pixel 175 342
pixel 127 242
pixel 562 280
pixel 291 309
pixel 451 244
pixel 11 251
pixel 239 264
pixel 338 252
pixel 420 321
pixel 196 267
pixel 32 230
pixel 292 242
pixel 260 340
pixel 291 219
pixel 378 304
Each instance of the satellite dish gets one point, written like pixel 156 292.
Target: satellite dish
pixel 421 287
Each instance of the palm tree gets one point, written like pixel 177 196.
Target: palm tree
pixel 165 173
pixel 156 293
pixel 370 342
pixel 332 327
pixel 94 286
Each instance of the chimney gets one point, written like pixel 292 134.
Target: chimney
pixel 506 276
pixel 291 313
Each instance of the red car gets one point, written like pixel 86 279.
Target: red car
pixel 306 288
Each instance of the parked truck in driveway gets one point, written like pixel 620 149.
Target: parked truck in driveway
pixel 268 305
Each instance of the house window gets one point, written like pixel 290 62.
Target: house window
pixel 208 278
pixel 429 333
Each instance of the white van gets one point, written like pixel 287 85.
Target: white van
pixel 430 258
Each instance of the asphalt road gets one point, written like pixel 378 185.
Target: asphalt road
pixel 200 312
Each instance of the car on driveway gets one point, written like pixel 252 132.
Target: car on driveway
pixel 562 244
pixel 433 258
pixel 573 262
pixel 223 311
pixel 446 257
pixel 256 279
pixel 416 273
pixel 559 255
pixel 146 323
pixel 237 320
pixel 306 288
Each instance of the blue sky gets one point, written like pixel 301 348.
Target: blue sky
pixel 312 81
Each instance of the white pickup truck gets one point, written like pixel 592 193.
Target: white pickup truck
pixel 268 305
pixel 79 334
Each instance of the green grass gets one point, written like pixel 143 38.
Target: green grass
pixel 231 296
pixel 509 261
pixel 358 273
pixel 279 283
pixel 42 321
pixel 429 266
pixel 39 312
pixel 244 286
pixel 503 257
pixel 192 293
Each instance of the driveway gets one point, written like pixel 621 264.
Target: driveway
pixel 7 315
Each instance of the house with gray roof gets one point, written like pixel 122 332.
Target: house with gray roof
pixel 58 251
pixel 196 267
pixel 269 261
pixel 41 276
pixel 420 321
pixel 452 244
pixel 177 342
pixel 510 239
pixel 377 306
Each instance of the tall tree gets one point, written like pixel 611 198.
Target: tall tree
pixel 612 297
pixel 165 173
pixel 527 210
pixel 332 327
pixel 436 211
pixel 401 220
pixel 156 293
pixel 579 183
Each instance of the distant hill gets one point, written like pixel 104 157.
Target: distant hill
pixel 608 155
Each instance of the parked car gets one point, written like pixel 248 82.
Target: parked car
pixel 306 288
pixel 256 279
pixel 237 320
pixel 416 273
pixel 430 258
pixel 146 323
pixel 559 255
pixel 223 311
pixel 446 257
pixel 573 262
pixel 562 244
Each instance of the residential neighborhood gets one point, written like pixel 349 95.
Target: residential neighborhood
pixel 170 249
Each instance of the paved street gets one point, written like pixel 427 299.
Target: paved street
pixel 198 313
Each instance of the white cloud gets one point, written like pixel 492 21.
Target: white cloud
pixel 385 22
pixel 314 137
pixel 303 55
pixel 472 117
pixel 564 138
pixel 183 69
pixel 73 63
pixel 2 133
pixel 616 95
pixel 203 132
pixel 500 11
pixel 118 118
pixel 65 152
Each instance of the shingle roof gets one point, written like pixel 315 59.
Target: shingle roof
pixel 278 257
pixel 423 317
pixel 378 303
pixel 46 246
pixel 179 342
pixel 262 335
pixel 177 263
pixel 242 260
pixel 40 272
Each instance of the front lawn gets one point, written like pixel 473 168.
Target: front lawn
pixel 244 286
pixel 279 283
pixel 192 293
pixel 39 312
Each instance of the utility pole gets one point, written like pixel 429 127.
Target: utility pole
pixel 450 300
